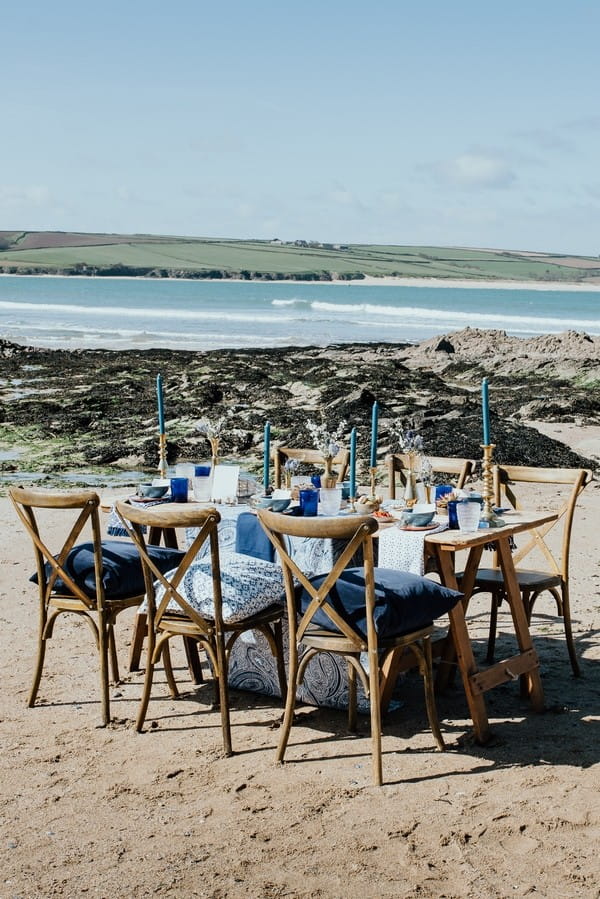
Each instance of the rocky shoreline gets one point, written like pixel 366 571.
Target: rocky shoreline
pixel 95 410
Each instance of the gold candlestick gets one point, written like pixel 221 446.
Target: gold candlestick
pixel 488 516
pixel 373 498
pixel 162 455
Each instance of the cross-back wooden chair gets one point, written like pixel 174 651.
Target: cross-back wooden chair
pixel 94 579
pixel 554 577
pixel 188 601
pixel 399 464
pixel 350 611
pixel 282 453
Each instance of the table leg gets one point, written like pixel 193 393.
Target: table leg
pixel 513 597
pixel 448 577
pixel 464 651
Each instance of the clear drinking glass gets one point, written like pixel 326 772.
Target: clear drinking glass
pixel 202 483
pixel 468 514
pixel 330 500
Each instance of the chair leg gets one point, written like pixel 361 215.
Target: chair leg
pixel 114 662
pixel 352 713
pixel 566 606
pixel 281 673
pixel 193 659
pixel 103 646
pixel 148 678
pixel 223 688
pixel 38 668
pixel 166 655
pixel 140 629
pixel 427 672
pixel 290 704
pixel 375 704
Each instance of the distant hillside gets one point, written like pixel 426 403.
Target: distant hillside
pixel 71 253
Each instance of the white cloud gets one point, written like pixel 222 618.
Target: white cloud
pixel 474 170
pixel 33 195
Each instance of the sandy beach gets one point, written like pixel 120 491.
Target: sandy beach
pixel 109 812
pixel 112 813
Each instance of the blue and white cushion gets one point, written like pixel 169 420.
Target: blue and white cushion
pixel 248 586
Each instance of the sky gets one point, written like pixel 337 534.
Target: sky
pixel 432 123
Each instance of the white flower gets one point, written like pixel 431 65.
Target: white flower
pixel 213 428
pixel 327 442
pixel 409 440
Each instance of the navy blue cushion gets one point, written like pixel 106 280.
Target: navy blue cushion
pixel 121 568
pixel 251 540
pixel 403 602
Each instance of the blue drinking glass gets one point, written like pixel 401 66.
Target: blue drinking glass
pixel 309 500
pixel 442 490
pixel 452 515
pixel 179 490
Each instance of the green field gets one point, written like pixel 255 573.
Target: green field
pixel 35 252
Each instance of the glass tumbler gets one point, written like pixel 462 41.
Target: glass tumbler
pixel 330 500
pixel 179 490
pixel 468 514
pixel 309 500
pixel 202 483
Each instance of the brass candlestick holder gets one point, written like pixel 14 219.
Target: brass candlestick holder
pixel 162 455
pixel 488 516
pixel 373 498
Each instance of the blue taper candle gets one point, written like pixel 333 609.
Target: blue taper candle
pixel 374 420
pixel 161 407
pixel 353 463
pixel 485 411
pixel 267 451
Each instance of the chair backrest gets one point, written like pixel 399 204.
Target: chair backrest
pixel 50 562
pixel 506 476
pixel 357 532
pixel 399 463
pixel 282 453
pixel 176 515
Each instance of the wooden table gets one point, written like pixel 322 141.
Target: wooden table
pixel 525 663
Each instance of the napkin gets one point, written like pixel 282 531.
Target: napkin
pixel 251 540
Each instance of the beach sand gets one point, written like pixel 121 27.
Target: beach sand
pixel 108 812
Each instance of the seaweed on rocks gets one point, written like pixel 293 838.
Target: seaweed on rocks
pixel 82 408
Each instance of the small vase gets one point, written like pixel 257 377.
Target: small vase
pixel 410 491
pixel 329 476
pixel 214 446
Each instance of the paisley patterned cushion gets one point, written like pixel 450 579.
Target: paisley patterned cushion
pixel 248 586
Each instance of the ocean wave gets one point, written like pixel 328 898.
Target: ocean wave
pixel 485 319
pixel 198 315
pixel 293 302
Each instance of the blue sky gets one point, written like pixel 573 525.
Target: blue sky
pixel 453 124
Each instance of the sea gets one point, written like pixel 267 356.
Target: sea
pixel 139 313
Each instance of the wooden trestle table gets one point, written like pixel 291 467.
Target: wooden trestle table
pixel 457 646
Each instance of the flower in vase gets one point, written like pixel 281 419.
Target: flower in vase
pixel 324 440
pixel 328 444
pixel 213 431
pixel 408 440
pixel 290 467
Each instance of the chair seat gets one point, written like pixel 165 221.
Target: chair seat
pixel 122 574
pixel 491 579
pixel 403 602
pixel 249 586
